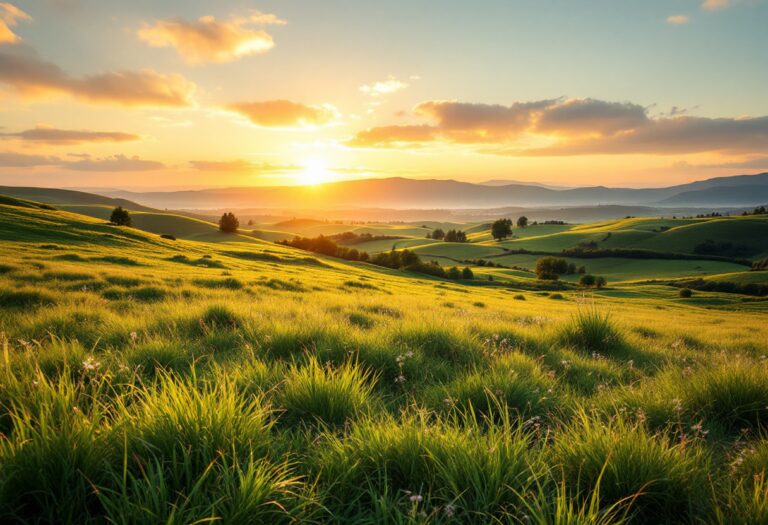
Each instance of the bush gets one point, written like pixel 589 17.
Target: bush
pixel 685 293
pixel 229 223
pixel 587 281
pixel 120 217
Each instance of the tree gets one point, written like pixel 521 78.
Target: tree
pixel 455 236
pixel 229 223
pixel 501 229
pixel 120 217
pixel 571 269
pixel 438 234
pixel 587 281
pixel 466 273
pixel 550 267
pixel 685 293
pixel 522 222
pixel 600 281
pixel 582 270
pixel 454 273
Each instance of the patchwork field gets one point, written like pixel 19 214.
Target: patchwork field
pixel 145 380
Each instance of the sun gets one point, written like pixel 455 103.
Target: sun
pixel 314 172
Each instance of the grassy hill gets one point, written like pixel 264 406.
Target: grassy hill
pixel 144 380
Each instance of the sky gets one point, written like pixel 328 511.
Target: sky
pixel 177 94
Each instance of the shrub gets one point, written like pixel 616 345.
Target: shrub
pixel 587 281
pixel 685 293
pixel 313 392
pixel 229 223
pixel 168 237
pixel 120 217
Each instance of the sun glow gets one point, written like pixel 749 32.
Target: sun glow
pixel 315 172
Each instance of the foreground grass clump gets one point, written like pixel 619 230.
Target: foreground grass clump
pixel 593 331
pixel 664 480
pixel 461 467
pixel 316 392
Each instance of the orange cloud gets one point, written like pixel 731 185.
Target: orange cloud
pixel 68 137
pixel 715 5
pixel 209 40
pixel 388 136
pixel 32 76
pixel 115 163
pixel 9 17
pixel 285 113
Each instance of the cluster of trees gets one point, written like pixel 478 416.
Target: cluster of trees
pixel 354 238
pixel 760 210
pixel 398 260
pixel 502 228
pixel 449 236
pixel 756 289
pixel 710 247
pixel 120 217
pixel 229 223
pixel 483 262
pixel 326 246
pixel 551 268
pixel 591 281
pixel 762 264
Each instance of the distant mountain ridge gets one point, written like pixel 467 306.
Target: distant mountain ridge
pixel 402 193
pixel 420 194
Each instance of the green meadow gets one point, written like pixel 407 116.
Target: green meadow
pixel 227 379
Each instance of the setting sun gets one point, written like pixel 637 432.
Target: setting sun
pixel 315 172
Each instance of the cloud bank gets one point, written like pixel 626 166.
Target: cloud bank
pixel 30 75
pixel 569 127
pixel 55 136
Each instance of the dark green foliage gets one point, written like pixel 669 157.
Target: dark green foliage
pixel 549 268
pixel 593 331
pixel 587 281
pixel 685 293
pixel 120 217
pixel 501 229
pixel 229 223
pixel 522 221
pixel 455 236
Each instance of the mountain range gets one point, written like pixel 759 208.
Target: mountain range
pixel 402 193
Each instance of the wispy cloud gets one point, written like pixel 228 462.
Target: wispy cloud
pixel 241 165
pixel 30 75
pixel 384 87
pixel 285 113
pixel 678 20
pixel 67 136
pixel 10 15
pixel 115 163
pixel 208 40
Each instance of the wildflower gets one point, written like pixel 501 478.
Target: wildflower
pixel 91 365
pixel 449 510
pixel 400 379
pixel 416 498
pixel 134 336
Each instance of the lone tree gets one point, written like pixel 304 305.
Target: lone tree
pixel 522 221
pixel 501 229
pixel 587 280
pixel 229 223
pixel 600 281
pixel 120 217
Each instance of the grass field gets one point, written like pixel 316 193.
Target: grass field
pixel 144 380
